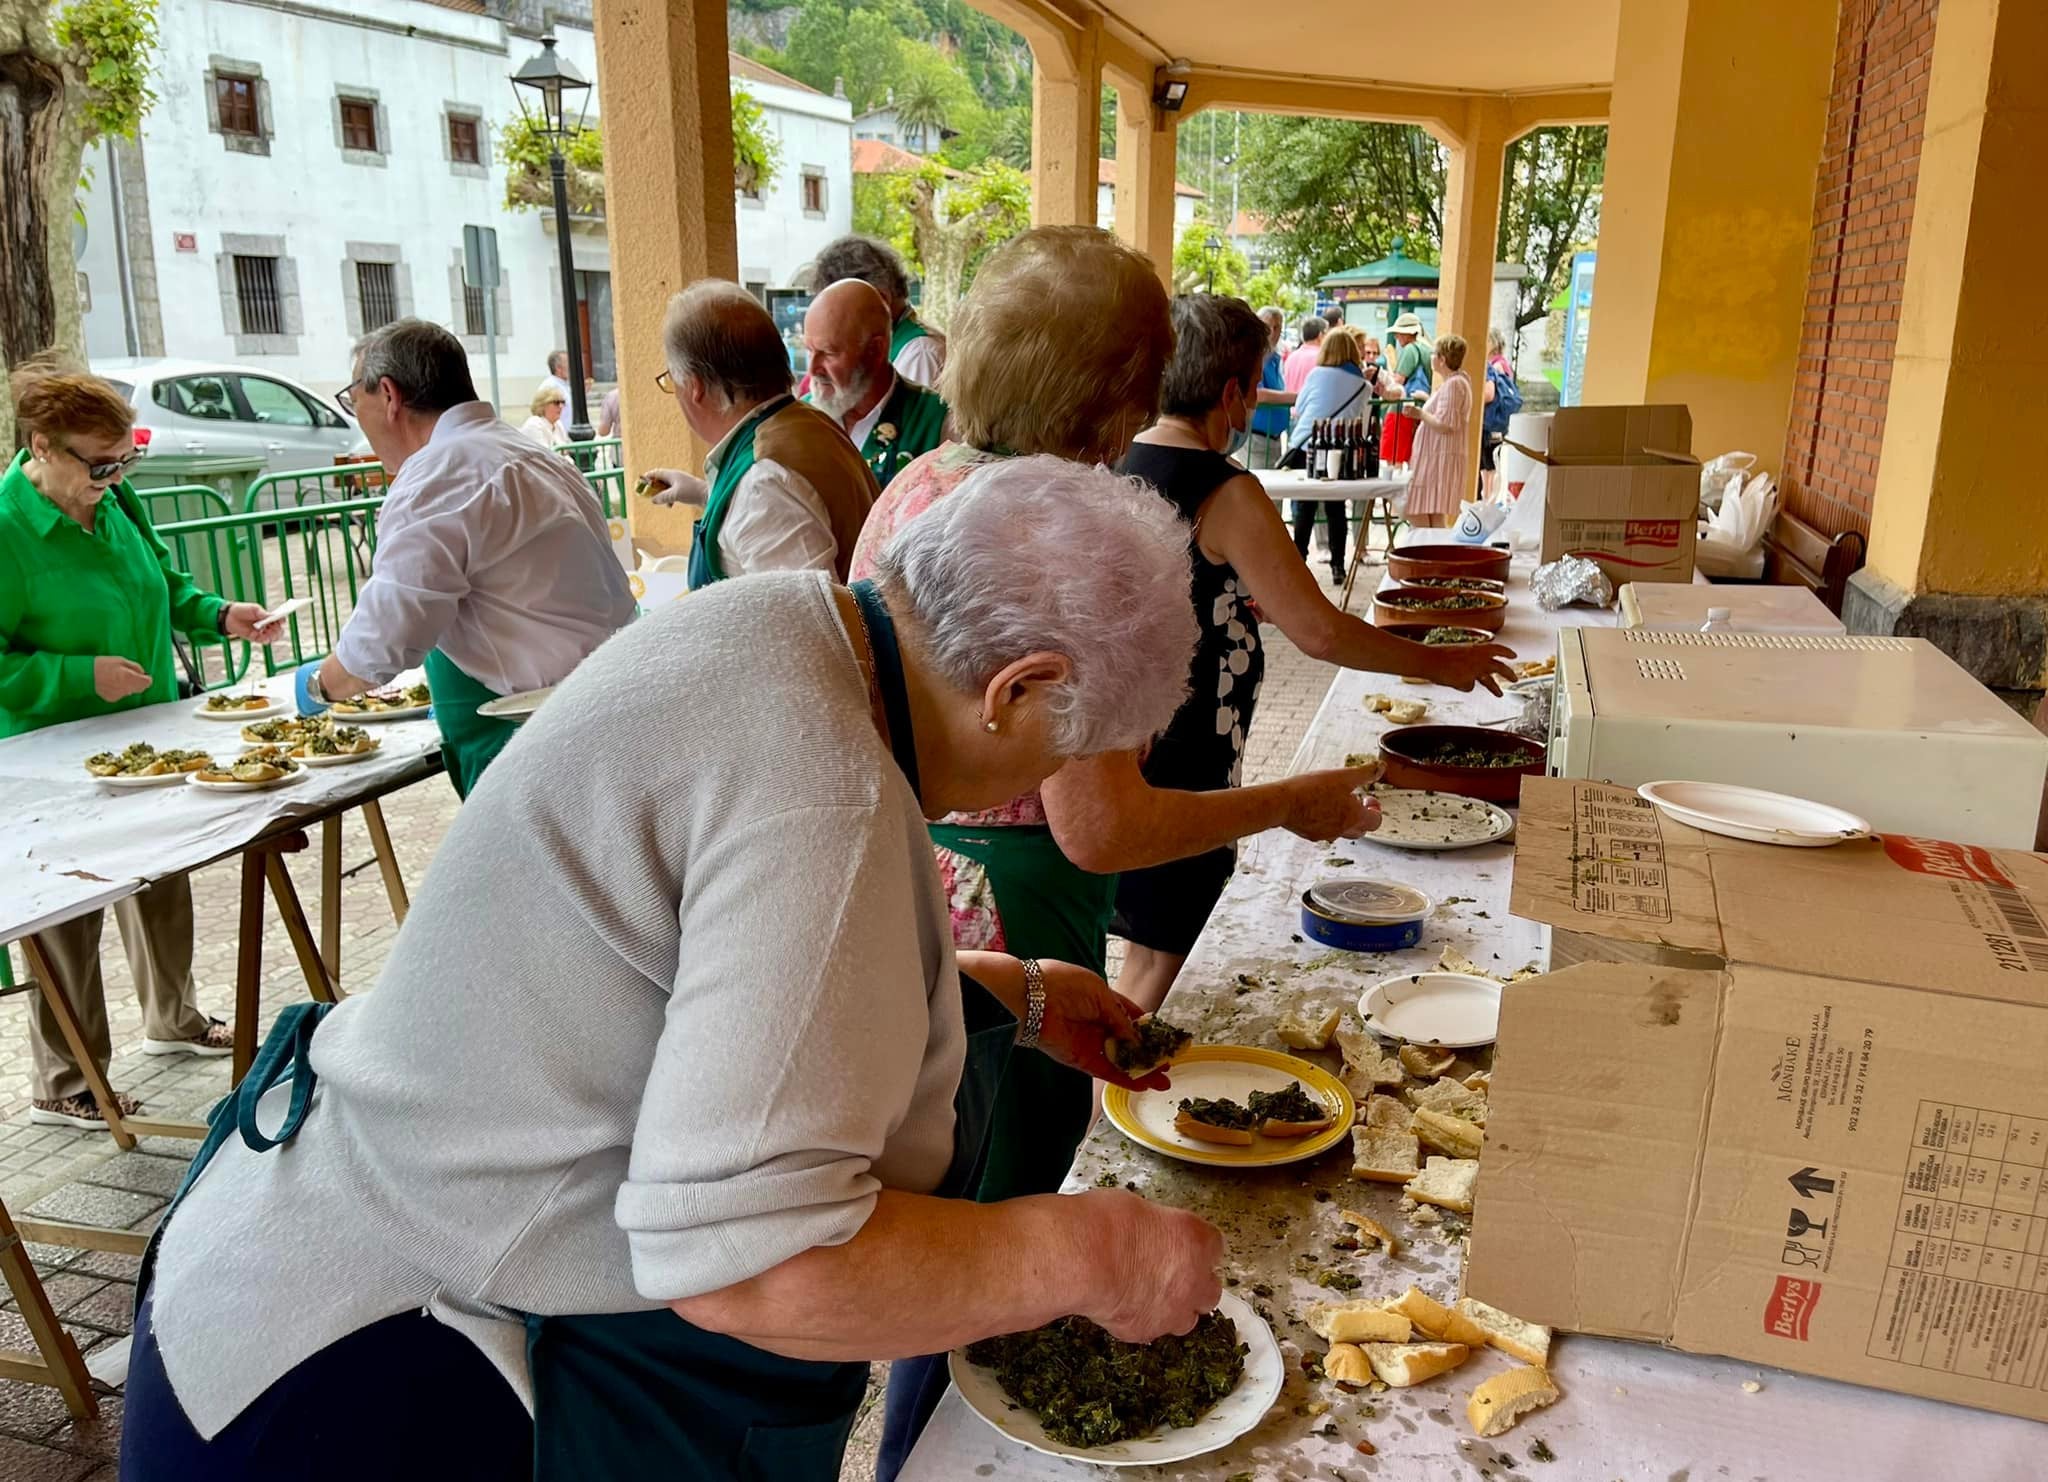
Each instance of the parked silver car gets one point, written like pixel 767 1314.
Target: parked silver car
pixel 196 407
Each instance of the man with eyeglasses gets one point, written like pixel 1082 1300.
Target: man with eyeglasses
pixel 494 564
pixel 788 489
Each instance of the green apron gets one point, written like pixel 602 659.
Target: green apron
pixel 913 422
pixel 734 461
pixel 907 329
pixel 1050 907
pixel 468 741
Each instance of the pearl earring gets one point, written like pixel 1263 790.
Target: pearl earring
pixel 989 726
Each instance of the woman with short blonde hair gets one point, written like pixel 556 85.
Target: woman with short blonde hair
pixel 1441 479
pixel 544 426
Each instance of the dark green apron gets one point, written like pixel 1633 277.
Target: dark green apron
pixel 468 741
pixel 637 1396
pixel 913 422
pixel 1050 907
pixel 706 565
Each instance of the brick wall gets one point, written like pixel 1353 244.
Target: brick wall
pixel 1862 219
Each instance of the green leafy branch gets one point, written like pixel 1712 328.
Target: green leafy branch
pixel 525 146
pixel 115 46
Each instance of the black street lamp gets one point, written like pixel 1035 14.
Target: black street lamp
pixel 555 82
pixel 1215 250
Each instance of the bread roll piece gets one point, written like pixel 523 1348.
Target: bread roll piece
pixel 1426 1060
pixel 1356 1322
pixel 1365 1058
pixel 1451 960
pixel 1384 1155
pixel 1446 1183
pixel 1346 1363
pixel 1527 1341
pixel 1385 1111
pixel 1480 1081
pixel 1369 1228
pixel 1438 1321
pixel 1310 1030
pixel 1453 1098
pixel 1274 1127
pixel 1453 1135
pixel 1407 712
pixel 1399 1365
pixel 1378 704
pixel 1499 1402
pixel 1188 1126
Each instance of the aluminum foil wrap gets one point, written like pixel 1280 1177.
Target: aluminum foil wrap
pixel 1568 580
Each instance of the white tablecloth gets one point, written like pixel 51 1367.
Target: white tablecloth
pixel 1630 1410
pixel 1294 483
pixel 70 844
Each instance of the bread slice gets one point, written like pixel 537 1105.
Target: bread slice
pixel 1480 1081
pixel 1453 1098
pixel 1385 1111
pixel 1527 1341
pixel 1499 1402
pixel 1275 1128
pixel 1357 1322
pixel 1384 1154
pixel 1399 1365
pixel 1367 1060
pixel 1453 1135
pixel 1369 1228
pixel 1310 1030
pixel 1201 1131
pixel 1426 1060
pixel 1446 1183
pixel 1451 960
pixel 1407 712
pixel 1347 1364
pixel 1438 1321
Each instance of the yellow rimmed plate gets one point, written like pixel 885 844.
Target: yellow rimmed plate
pixel 1215 1072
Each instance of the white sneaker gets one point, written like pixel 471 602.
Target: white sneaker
pixel 217 1040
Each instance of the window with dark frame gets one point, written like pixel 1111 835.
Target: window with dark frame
pixel 473 310
pixel 463 146
pixel 814 192
pixel 377 286
pixel 236 100
pixel 359 125
pixel 256 295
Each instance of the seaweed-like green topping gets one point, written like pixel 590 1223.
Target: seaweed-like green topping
pixel 1089 1389
pixel 1291 1105
pixel 1221 1113
pixel 1157 1042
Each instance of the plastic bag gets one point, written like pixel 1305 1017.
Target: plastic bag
pixel 1571 579
pixel 1477 520
pixel 1721 476
pixel 1745 513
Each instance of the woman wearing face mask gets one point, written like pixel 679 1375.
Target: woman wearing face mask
pixel 1241 550
pixel 88 602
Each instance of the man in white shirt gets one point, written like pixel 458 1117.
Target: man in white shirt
pixel 557 378
pixel 787 491
pixel 494 564
pixel 917 352
pixel 889 417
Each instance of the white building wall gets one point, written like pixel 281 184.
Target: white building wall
pixel 1105 210
pixel 317 207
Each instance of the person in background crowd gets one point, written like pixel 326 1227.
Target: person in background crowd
pixel 494 564
pixel 1303 357
pixel 657 1124
pixel 1337 390
pixel 1058 349
pixel 787 491
pixel 1503 399
pixel 918 353
pixel 1411 369
pixel 889 417
pixel 557 377
pixel 1240 554
pixel 544 426
pixel 608 424
pixel 1269 421
pixel 89 601
pixel 1442 480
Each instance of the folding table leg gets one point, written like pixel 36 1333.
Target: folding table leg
pixel 318 984
pixel 387 859
pixel 1357 557
pixel 44 971
pixel 57 1362
pixel 330 896
pixel 248 966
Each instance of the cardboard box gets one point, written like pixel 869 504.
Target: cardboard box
pixel 1623 489
pixel 1827 1152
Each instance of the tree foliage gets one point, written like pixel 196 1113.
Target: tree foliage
pixel 950 224
pixel 1550 209
pixel 115 45
pixel 529 186
pixel 756 152
pixel 1336 193
pixel 1198 268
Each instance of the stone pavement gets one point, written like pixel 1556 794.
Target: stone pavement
pixel 60 1173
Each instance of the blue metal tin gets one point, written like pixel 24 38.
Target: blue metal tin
pixel 1358 915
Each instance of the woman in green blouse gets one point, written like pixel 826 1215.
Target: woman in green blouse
pixel 88 602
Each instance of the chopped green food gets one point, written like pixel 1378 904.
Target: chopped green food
pixel 1220 1113
pixel 1359 759
pixel 1541 1452
pixel 1089 1389
pixel 1157 1042
pixel 1454 637
pixel 1457 583
pixel 1290 1105
pixel 1342 1281
pixel 1440 601
pixel 1465 754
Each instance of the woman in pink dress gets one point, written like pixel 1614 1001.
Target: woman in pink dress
pixel 1441 480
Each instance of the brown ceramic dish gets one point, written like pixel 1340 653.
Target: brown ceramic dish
pixel 1432 607
pixel 1448 560
pixel 1433 758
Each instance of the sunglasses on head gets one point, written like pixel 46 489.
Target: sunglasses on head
pixel 107 471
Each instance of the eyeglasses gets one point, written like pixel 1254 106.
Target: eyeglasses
pixel 106 472
pixel 345 398
pixel 667 383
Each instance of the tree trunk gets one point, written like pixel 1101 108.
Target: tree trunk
pixel 42 141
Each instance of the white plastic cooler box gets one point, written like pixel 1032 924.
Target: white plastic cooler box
pixel 1673 607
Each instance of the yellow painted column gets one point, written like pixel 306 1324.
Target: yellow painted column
pixel 1066 126
pixel 1956 510
pixel 1146 161
pixel 662 76
pixel 1471 231
pixel 1707 215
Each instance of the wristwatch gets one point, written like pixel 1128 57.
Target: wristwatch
pixel 1034 1005
pixel 220 620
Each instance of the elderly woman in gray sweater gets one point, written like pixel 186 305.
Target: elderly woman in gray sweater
pixel 650 1135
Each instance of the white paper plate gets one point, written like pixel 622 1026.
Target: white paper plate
pixel 515 708
pixel 163 779
pixel 1751 813
pixel 243 717
pixel 337 761
pixel 1470 821
pixel 376 717
pixel 1232 1416
pixel 1458 1011
pixel 289 777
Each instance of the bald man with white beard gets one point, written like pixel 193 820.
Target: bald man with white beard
pixel 889 418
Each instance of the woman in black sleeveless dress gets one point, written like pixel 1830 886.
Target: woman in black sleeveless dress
pixel 1240 549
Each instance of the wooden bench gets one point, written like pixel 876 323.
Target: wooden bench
pixel 1798 555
